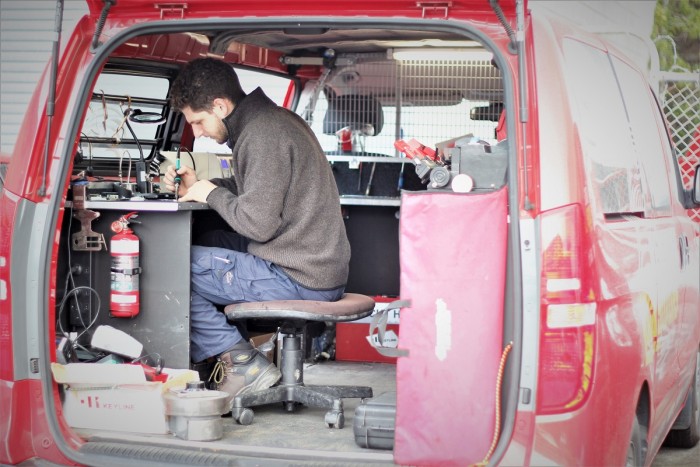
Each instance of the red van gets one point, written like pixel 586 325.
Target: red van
pixel 506 177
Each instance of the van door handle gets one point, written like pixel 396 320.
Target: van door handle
pixel 684 250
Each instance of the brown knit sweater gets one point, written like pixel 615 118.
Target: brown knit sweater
pixel 283 196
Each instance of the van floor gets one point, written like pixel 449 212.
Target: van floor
pixel 292 435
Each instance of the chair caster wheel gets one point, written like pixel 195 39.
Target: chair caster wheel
pixel 335 419
pixel 244 416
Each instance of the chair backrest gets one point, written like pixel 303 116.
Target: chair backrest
pixel 355 111
pixel 349 308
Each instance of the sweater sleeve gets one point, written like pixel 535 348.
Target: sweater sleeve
pixel 228 183
pixel 263 174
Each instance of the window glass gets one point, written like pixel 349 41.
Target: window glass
pixel 104 133
pixel 274 86
pixel 428 124
pixel 427 99
pixel 646 135
pixel 674 178
pixel 603 129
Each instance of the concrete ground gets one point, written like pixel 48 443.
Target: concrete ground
pixel 674 457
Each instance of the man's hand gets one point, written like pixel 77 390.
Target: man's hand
pixel 187 179
pixel 198 192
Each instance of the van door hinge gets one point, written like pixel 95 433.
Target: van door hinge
pixel 171 10
pixel 432 9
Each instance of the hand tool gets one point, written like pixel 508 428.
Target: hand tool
pixel 177 175
pixel 371 176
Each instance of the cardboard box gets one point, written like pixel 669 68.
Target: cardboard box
pixel 115 397
pixel 352 339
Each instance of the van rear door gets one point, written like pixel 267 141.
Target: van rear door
pixel 126 9
pixel 467 346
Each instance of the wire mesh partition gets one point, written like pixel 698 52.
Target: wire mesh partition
pixel 681 102
pixel 381 100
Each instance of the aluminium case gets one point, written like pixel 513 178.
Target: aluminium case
pixel 375 422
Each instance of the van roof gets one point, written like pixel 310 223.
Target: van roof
pixel 209 8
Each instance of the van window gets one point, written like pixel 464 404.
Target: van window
pixel 275 88
pixel 647 136
pixel 429 125
pixel 104 133
pixel 604 130
pixel 426 99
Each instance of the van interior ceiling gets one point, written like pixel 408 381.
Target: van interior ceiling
pixel 437 88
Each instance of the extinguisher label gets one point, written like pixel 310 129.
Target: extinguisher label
pixel 125 263
pixel 119 298
pixel 124 247
pixel 124 283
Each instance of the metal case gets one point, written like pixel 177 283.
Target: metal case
pixel 374 422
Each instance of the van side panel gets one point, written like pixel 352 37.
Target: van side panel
pixel 8 207
pixel 24 429
pixel 597 149
pixel 23 421
pixel 25 227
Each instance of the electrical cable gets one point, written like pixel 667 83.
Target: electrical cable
pixel 127 112
pixel 93 320
pixel 194 165
pixel 70 280
pixel 128 172
pixel 142 181
pixel 499 384
pixel 70 265
pixel 88 170
pixel 69 276
pixel 155 356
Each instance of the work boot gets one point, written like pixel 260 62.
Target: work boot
pixel 242 370
pixel 204 369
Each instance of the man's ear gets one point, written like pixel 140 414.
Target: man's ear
pixel 221 107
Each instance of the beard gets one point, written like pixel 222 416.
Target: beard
pixel 221 134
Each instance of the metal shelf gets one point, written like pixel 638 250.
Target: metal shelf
pixel 357 200
pixel 145 205
pixel 353 158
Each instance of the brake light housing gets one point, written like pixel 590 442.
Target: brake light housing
pixel 568 313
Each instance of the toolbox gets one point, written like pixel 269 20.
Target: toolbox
pixel 374 422
pixel 353 340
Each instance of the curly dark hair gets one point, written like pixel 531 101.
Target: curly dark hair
pixel 203 80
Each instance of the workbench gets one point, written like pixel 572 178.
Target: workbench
pixel 165 229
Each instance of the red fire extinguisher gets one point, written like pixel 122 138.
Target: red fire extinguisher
pixel 125 270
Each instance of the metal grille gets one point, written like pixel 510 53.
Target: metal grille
pixel 429 100
pixel 681 102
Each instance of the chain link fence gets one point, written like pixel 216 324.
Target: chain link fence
pixel 680 98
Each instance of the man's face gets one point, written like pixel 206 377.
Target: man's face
pixel 207 123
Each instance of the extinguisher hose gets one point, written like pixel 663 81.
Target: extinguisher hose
pixel 499 383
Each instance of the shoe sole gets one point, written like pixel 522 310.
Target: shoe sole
pixel 267 379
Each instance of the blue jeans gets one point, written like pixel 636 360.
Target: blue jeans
pixel 221 277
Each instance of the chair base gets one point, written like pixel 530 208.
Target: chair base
pixel 291 391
